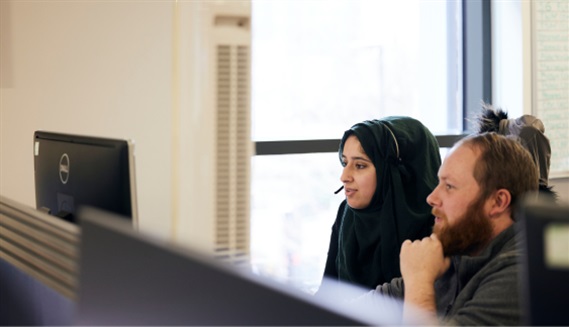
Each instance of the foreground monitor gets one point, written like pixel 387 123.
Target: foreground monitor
pixel 75 170
pixel 544 277
pixel 127 278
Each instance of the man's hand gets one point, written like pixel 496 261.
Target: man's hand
pixel 422 262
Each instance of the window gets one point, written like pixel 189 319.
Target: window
pixel 318 67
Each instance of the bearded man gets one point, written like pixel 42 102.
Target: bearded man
pixel 466 272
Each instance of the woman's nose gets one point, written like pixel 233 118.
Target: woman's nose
pixel 346 175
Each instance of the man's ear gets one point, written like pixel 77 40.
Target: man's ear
pixel 500 202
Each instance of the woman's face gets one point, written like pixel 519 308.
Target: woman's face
pixel 359 176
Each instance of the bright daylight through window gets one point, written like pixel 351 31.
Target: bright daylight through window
pixel 318 67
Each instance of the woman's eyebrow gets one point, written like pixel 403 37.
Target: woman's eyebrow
pixel 357 158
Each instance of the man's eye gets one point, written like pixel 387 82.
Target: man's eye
pixel 448 186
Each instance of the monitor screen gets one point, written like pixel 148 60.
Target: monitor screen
pixel 76 170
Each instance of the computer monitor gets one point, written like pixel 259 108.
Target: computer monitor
pixel 127 278
pixel 544 273
pixel 77 170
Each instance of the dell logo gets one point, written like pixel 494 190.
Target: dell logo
pixel 64 168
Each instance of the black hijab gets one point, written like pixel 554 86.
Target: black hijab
pixel 406 158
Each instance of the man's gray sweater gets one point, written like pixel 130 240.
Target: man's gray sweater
pixel 479 290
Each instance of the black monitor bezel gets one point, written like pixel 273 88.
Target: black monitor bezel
pixel 125 149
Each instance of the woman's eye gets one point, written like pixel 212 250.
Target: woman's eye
pixel 448 186
pixel 344 164
pixel 360 166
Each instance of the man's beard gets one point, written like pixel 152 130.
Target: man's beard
pixel 468 235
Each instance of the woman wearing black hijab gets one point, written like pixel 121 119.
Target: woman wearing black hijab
pixel 378 215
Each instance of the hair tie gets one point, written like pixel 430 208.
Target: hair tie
pixel 503 127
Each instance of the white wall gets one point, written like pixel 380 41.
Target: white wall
pixel 561 187
pixel 559 181
pixel 507 57
pixel 93 68
pixel 140 70
pixel 512 68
